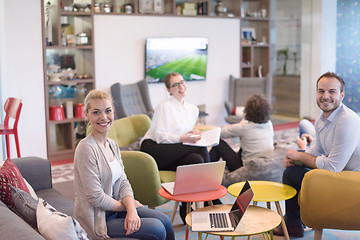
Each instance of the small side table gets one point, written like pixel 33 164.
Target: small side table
pixel 266 191
pixel 256 220
pixel 192 197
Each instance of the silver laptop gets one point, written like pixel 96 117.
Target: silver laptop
pixel 199 177
pixel 223 220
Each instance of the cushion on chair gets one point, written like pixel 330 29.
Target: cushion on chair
pixel 131 99
pixel 330 200
pixel 167 176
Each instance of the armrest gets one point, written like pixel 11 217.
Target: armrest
pixel 329 199
pixel 229 107
pixel 36 170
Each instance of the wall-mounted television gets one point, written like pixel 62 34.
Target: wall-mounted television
pixel 187 56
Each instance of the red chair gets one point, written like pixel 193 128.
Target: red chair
pixel 12 109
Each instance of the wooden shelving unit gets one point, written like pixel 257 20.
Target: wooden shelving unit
pixel 61 134
pixel 255 53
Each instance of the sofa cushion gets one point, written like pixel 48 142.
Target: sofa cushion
pixel 10 174
pixel 56 199
pixel 13 227
pixel 25 205
pixel 56 225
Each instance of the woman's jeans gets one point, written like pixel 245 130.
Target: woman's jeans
pixel 154 225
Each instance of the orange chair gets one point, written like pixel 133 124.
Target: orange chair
pixel 12 109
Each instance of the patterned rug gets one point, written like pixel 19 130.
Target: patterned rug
pixel 64 172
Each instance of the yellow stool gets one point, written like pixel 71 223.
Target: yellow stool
pixel 268 192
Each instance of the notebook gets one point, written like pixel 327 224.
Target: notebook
pixel 223 220
pixel 194 178
pixel 208 138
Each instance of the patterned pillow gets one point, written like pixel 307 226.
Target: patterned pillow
pixel 55 225
pixel 10 174
pixel 25 205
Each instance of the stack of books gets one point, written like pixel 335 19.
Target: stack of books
pixel 189 9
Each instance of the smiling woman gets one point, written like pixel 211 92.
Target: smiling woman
pixel 103 194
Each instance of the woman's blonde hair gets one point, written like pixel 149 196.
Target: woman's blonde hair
pixel 96 94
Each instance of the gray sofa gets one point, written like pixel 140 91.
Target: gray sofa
pixel 37 171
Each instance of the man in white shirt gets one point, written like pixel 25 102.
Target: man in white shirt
pixel 336 146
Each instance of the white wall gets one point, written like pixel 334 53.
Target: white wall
pixel 120 55
pixel 21 72
pixel 318 49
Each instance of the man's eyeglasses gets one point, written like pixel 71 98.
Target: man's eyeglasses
pixel 177 84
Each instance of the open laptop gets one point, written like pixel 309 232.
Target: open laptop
pixel 223 220
pixel 194 178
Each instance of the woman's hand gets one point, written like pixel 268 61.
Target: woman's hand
pixel 132 222
pixel 191 137
pixel 138 204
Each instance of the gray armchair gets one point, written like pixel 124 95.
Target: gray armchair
pixel 240 89
pixel 131 99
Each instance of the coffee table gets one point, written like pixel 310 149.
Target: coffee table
pixel 189 198
pixel 256 220
pixel 266 191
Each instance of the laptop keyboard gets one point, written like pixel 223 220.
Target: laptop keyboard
pixel 218 220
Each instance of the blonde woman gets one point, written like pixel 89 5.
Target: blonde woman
pixel 104 201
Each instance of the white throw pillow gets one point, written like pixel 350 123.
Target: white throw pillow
pixel 54 225
pixel 31 190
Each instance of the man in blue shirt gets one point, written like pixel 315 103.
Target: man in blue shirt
pixel 336 147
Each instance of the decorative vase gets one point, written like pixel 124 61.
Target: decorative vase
pixel 220 8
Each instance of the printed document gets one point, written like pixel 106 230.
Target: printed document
pixel 208 138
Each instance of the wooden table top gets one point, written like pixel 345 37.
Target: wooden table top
pixel 256 220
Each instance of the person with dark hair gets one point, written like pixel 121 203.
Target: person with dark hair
pixel 336 146
pixel 255 131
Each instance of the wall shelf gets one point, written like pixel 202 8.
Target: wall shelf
pixel 61 135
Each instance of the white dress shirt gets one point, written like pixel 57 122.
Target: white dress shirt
pixel 337 142
pixel 171 120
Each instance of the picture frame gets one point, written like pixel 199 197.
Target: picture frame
pixel 248 34
pixel 151 6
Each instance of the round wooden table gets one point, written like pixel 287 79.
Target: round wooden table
pixel 256 220
pixel 189 198
pixel 266 191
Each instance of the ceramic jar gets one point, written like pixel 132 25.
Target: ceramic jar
pixel 220 8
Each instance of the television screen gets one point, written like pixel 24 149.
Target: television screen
pixel 187 56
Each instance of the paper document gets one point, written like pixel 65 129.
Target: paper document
pixel 209 138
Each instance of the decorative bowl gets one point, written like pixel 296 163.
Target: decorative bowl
pixel 55 77
pixel 81 6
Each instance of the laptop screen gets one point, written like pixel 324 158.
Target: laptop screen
pixel 242 202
